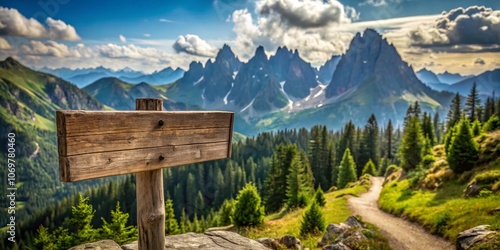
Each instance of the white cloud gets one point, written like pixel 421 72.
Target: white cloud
pixel 13 23
pixel 123 39
pixel 4 44
pixel 54 49
pixel 194 45
pixel 163 20
pixel 473 25
pixel 311 26
pixel 146 35
pixel 375 3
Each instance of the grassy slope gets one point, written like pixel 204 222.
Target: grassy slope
pixel 280 224
pixel 445 211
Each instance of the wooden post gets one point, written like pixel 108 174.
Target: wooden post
pixel 149 191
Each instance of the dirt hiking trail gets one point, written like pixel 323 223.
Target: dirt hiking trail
pixel 401 234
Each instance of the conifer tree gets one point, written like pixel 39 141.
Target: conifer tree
pixel 369 168
pixel 226 212
pixel 370 144
pixel 171 225
pixel 412 145
pixel 45 240
pixel 319 197
pixel 472 104
pixel 455 112
pixel 489 109
pixel 476 128
pixel 118 230
pixel 313 221
pixel 437 127
pixel 463 151
pixel 81 222
pixel 346 141
pixel 492 124
pixel 248 210
pixel 347 170
pixel 389 132
pixel 199 204
pixel 448 139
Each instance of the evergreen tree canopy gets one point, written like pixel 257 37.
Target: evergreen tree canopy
pixel 248 210
pixel 463 151
pixel 319 197
pixel 472 104
pixel 347 170
pixel 412 145
pixel 369 169
pixel 118 230
pixel 226 212
pixel 455 112
pixel 313 221
pixel 171 224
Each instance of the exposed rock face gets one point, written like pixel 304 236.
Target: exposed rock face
pixel 345 236
pixel 480 237
pixel 269 243
pixel 208 240
pixel 291 242
pixel 100 245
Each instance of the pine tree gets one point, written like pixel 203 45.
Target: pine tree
pixel 437 127
pixel 319 197
pixel 369 168
pixel 472 104
pixel 171 225
pixel 299 180
pixel 81 222
pixel 44 239
pixel 199 204
pixel 346 141
pixel 383 166
pixel 489 109
pixel 118 230
pixel 427 129
pixel 449 138
pixel 370 144
pixel 226 212
pixel 463 152
pixel 275 184
pixel 184 223
pixel 492 124
pixel 347 170
pixel 412 145
pixel 455 112
pixel 389 132
pixel 476 128
pixel 313 221
pixel 248 210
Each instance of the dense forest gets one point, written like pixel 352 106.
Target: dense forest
pixel 285 169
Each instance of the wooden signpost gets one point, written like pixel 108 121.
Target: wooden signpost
pixel 95 144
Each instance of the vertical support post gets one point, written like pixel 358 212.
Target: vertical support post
pixel 149 191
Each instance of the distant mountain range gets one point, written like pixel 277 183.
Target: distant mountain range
pixel 284 91
pixel 487 82
pixel 83 77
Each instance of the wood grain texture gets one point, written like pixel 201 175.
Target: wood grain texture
pixel 150 199
pixel 89 166
pixel 78 123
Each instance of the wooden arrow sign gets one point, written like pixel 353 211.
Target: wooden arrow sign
pixel 95 144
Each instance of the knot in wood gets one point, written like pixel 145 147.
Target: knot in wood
pixel 152 218
pixel 161 158
pixel 160 123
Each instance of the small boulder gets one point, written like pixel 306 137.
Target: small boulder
pixel 290 242
pixel 337 246
pixel 476 236
pixel 269 243
pixel 472 190
pixel 99 245
pixel 353 221
pixel 494 211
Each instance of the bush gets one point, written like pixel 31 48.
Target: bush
pixel 391 169
pixel 248 210
pixel 428 160
pixel 313 221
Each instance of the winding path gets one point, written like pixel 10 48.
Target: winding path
pixel 400 233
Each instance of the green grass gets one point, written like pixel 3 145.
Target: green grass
pixel 280 224
pixel 444 212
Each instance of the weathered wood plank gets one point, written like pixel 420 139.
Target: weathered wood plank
pixel 77 123
pixel 89 166
pixel 86 144
pixel 149 193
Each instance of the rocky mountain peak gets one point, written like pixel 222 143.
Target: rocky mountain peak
pixel 10 62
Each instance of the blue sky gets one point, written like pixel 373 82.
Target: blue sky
pixel 142 34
